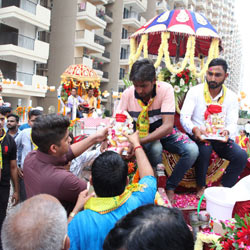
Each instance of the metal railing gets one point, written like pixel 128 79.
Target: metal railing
pixel 17 39
pixel 107 33
pixel 25 77
pixel 99 40
pixel 109 13
pixel 105 74
pixel 106 54
pixel 97 65
pixel 29 6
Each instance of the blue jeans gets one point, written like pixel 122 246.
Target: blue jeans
pixel 229 151
pixel 176 143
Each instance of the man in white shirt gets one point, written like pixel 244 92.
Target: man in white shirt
pixel 199 103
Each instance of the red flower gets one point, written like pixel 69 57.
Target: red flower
pixel 244 235
pixel 179 74
pixel 228 245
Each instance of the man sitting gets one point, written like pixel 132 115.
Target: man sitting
pixel 43 168
pixel 113 200
pixel 74 101
pixel 214 99
pixel 38 223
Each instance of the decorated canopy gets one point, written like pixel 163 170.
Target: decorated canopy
pixel 179 33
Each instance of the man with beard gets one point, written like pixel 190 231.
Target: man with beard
pixel 213 97
pixel 12 125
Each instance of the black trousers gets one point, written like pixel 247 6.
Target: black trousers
pixel 4 198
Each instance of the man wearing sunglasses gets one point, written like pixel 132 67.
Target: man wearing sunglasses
pixel 214 99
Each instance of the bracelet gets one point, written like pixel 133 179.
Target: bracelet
pixel 72 214
pixel 137 147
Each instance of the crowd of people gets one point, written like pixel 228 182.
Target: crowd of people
pixel 58 210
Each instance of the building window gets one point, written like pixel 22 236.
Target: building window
pixel 124 33
pixel 122 73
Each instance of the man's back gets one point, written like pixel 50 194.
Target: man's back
pixel 44 173
pixel 88 229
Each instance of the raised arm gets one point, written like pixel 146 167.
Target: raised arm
pixel 144 166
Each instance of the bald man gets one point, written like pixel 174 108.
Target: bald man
pixel 38 223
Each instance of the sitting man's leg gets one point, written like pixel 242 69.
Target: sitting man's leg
pixel 153 151
pixel 181 144
pixel 237 157
pixel 201 166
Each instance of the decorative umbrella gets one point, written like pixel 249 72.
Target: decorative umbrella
pixel 81 72
pixel 78 76
pixel 179 33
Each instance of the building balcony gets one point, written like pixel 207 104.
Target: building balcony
pixel 133 20
pixel 137 5
pixel 90 17
pixel 105 34
pixel 105 77
pixel 26 12
pixel 98 2
pixel 108 16
pixel 162 7
pixel 180 4
pixel 88 39
pixel 98 68
pixel 15 45
pixel 201 5
pixel 102 58
pixel 25 85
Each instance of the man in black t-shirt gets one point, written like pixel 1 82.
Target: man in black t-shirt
pixel 8 167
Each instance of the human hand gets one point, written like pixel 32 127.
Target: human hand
pixel 225 134
pixel 20 172
pixel 101 134
pixel 15 198
pixel 198 134
pixel 81 200
pixel 134 138
pixel 104 146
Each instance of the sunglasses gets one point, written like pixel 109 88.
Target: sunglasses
pixel 214 74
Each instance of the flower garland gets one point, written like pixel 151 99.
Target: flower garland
pixel 208 238
pixel 163 50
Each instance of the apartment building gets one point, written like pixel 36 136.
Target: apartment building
pixel 23 50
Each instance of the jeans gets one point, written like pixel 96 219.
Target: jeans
pixel 229 151
pixel 176 143
pixel 22 193
pixel 4 198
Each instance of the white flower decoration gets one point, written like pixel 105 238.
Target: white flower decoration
pixel 182 82
pixel 172 79
pixel 185 89
pixel 177 89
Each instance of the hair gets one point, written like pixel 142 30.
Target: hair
pixel 38 223
pixel 244 131
pixel 34 112
pixel 142 70
pixel 109 174
pixel 74 88
pixel 48 130
pixel 15 116
pixel 219 62
pixel 150 227
pixel 72 138
pixel 5 110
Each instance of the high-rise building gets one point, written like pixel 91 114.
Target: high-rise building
pixel 96 33
pixel 24 50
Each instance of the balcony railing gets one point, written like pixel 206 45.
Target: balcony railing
pixel 132 15
pixel 99 40
pixel 17 39
pixel 105 74
pixel 107 33
pixel 80 34
pixel 100 13
pixel 97 65
pixel 124 56
pixel 26 5
pixel 109 13
pixel 106 54
pixel 25 77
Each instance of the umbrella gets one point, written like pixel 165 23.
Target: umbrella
pixel 179 33
pixel 78 76
pixel 81 72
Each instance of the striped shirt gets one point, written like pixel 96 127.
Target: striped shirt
pixel 163 104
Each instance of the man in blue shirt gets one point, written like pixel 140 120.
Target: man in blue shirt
pixel 12 125
pixel 33 113
pixel 113 200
